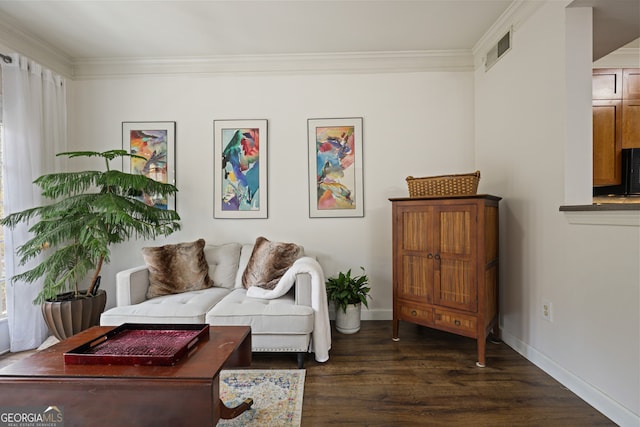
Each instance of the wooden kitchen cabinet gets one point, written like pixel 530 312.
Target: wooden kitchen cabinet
pixel 631 108
pixel 445 265
pixel 607 83
pixel 616 121
pixel 631 83
pixel 631 123
pixel 607 142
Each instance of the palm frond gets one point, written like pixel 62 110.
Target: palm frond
pixel 67 183
pixel 108 155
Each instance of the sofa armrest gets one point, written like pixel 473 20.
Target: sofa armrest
pixel 132 285
pixel 303 289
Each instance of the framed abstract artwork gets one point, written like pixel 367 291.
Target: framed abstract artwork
pixel 335 168
pixel 155 141
pixel 240 168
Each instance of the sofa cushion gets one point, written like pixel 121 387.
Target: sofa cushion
pixel 277 316
pixel 176 268
pixel 245 254
pixel 223 263
pixel 268 263
pixel 187 307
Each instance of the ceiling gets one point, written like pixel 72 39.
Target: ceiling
pixel 91 29
pixel 72 33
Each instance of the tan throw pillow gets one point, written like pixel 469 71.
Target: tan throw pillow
pixel 268 263
pixel 176 268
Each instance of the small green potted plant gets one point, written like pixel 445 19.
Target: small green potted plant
pixel 348 294
pixel 89 211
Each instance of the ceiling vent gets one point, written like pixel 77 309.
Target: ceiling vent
pixel 498 51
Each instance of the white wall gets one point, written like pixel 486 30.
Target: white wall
pixel 589 273
pixel 414 124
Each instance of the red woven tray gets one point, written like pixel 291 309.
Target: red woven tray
pixel 139 344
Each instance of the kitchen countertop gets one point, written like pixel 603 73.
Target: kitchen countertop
pixel 607 203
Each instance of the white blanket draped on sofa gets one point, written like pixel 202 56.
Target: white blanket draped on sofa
pixel 321 337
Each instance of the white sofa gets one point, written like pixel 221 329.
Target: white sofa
pixel 291 318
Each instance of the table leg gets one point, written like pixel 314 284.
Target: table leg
pixel 228 413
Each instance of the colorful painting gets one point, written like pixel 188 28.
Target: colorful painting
pixel 240 168
pixel 155 141
pixel 335 167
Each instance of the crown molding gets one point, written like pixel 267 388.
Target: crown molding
pixel 20 41
pixel 625 57
pixel 319 63
pixel 325 63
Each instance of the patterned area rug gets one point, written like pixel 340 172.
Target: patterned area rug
pixel 277 396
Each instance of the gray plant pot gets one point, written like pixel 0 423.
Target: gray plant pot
pixel 349 322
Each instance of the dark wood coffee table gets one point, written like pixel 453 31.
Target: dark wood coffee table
pixel 186 394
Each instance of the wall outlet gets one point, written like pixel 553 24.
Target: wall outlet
pixel 546 311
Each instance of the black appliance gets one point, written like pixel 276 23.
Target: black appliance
pixel 630 184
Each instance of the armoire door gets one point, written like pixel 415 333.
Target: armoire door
pixel 455 257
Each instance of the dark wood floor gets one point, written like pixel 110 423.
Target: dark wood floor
pixel 428 378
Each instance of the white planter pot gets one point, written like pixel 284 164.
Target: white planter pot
pixel 349 322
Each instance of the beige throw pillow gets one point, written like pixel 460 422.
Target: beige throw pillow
pixel 268 263
pixel 176 268
pixel 223 263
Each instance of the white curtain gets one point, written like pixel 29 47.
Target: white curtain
pixel 35 129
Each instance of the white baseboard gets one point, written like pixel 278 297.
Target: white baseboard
pixel 594 397
pixel 377 314
pixel 368 314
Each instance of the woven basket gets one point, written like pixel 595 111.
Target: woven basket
pixel 444 185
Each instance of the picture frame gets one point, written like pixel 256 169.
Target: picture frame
pixel 240 187
pixel 156 142
pixel 335 167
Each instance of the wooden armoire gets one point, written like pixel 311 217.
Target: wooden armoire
pixel 445 265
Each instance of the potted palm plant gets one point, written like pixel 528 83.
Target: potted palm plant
pixel 348 294
pixel 89 211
